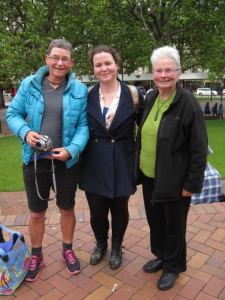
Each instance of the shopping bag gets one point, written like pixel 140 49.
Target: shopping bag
pixel 14 261
pixel 211 187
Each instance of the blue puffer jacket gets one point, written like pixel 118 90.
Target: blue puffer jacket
pixel 26 111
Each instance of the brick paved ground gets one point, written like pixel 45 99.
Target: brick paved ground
pixel 203 280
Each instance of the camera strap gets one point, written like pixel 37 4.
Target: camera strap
pixel 53 177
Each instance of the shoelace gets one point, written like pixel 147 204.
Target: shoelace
pixel 34 262
pixel 70 256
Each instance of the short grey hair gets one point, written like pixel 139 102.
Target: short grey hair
pixel 166 52
pixel 60 43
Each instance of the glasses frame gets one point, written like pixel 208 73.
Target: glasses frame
pixel 167 72
pixel 65 61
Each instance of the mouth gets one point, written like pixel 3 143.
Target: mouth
pixel 59 69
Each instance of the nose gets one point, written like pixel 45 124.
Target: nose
pixel 104 67
pixel 60 61
pixel 164 72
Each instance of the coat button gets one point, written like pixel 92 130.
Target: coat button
pixel 112 141
pixel 96 140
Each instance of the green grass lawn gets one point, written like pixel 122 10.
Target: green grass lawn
pixel 216 136
pixel 208 98
pixel 11 164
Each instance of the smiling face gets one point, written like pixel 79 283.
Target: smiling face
pixel 105 67
pixel 58 69
pixel 165 74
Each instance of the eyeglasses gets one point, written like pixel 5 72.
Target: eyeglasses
pixel 166 71
pixel 57 59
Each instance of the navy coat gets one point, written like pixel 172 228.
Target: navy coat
pixel 107 163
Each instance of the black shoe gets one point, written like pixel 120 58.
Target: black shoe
pixel 97 255
pixel 115 259
pixel 167 280
pixel 153 265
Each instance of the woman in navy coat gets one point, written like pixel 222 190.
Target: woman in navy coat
pixel 107 163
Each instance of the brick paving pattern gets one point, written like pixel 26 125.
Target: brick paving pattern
pixel 203 280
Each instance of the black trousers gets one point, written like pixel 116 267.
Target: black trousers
pixel 167 222
pixel 99 210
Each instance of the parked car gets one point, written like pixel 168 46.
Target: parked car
pixel 206 92
pixel 223 92
pixel 6 94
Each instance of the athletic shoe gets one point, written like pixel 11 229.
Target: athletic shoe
pixel 36 263
pixel 72 262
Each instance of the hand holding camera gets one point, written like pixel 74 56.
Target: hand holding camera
pixel 44 143
pixel 41 142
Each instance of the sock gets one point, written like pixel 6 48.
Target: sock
pixel 66 246
pixel 36 251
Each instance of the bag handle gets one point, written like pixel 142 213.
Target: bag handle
pixel 1 236
pixel 2 227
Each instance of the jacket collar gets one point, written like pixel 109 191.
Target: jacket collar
pixel 93 107
pixel 42 72
pixel 151 99
pixel 125 107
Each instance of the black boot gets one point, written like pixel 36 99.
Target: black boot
pixel 98 253
pixel 116 257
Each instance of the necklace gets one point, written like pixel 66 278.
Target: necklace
pixel 56 83
pixel 159 107
pixel 157 113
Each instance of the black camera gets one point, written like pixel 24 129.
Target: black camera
pixel 45 143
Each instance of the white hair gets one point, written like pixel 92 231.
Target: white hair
pixel 166 52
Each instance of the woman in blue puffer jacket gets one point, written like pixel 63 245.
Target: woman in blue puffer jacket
pixel 51 103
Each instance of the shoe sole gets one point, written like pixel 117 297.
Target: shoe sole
pixel 115 268
pixel 73 273
pixel 35 278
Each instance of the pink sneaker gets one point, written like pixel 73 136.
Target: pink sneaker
pixel 36 263
pixel 72 262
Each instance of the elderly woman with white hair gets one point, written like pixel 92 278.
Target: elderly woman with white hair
pixel 170 162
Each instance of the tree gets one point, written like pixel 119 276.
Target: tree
pixel 133 27
pixel 194 27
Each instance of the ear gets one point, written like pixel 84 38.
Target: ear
pixel 46 58
pixel 179 73
pixel 72 62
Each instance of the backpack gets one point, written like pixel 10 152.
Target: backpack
pixel 135 96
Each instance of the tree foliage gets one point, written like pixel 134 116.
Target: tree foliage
pixel 194 27
pixel 133 27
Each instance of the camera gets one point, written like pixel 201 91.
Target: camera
pixel 45 143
